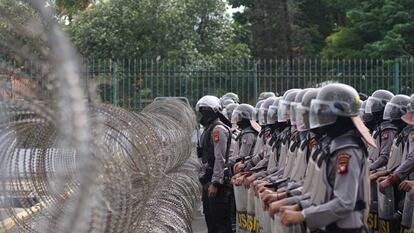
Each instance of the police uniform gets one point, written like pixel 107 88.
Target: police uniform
pixel 388 132
pixel 215 144
pixel 343 209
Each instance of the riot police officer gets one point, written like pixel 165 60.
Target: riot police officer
pixel 335 110
pixel 230 95
pixel 215 143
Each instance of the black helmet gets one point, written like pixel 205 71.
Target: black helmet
pixel 231 95
pixel 302 109
pixel 338 100
pixel 332 101
pixel 378 100
pixel 262 116
pixel 272 111
pixel 283 114
pixel 265 95
pixel 396 108
pixel 293 105
pixel 228 111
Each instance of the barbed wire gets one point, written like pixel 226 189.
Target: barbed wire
pixel 72 164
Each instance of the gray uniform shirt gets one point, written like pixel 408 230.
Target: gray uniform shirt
pixel 408 165
pixel 343 191
pixel 387 138
pixel 220 138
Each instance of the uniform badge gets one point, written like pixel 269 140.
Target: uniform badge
pixel 343 162
pixel 216 136
pixel 385 135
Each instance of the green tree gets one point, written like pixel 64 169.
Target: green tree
pixel 376 28
pixel 174 29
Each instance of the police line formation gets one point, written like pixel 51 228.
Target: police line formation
pixel 312 160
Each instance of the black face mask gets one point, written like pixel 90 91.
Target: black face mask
pixel 341 126
pixel 243 124
pixel 207 118
pixel 377 117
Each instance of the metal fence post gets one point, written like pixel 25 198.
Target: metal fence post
pixel 397 78
pixel 114 83
pixel 254 82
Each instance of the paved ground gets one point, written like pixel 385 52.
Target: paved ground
pixel 199 224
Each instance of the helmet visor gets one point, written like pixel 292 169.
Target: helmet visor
pixel 262 116
pixel 374 104
pixel 393 111
pixel 321 114
pixel 226 114
pixel 283 114
pixel 272 115
pixel 293 107
pixel 236 116
pixel 302 118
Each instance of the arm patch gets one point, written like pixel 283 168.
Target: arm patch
pixel 216 136
pixel 342 164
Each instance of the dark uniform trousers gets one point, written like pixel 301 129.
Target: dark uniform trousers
pixel 217 210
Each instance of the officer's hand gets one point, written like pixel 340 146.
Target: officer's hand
pixel 381 179
pixel 290 217
pixel 406 185
pixel 275 207
pixel 212 191
pixel 238 181
pixel 383 185
pixel 269 198
pixel 249 180
pixel 289 207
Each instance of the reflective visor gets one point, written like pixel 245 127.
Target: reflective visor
pixel 393 111
pixel 283 114
pixel 374 104
pixel 321 114
pixel 236 117
pixel 293 106
pixel 262 116
pixel 302 118
pixel 272 115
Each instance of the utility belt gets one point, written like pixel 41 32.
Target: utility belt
pixel 205 174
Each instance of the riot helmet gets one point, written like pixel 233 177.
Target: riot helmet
pixel 244 113
pixel 263 110
pixel 366 117
pixel 265 95
pixel 208 101
pixel 283 114
pixel 225 102
pixel 396 108
pixel 377 101
pixel 228 111
pixel 334 101
pixel 256 109
pixel 294 104
pixel 232 96
pixel 409 116
pixel 272 111
pixel 302 109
